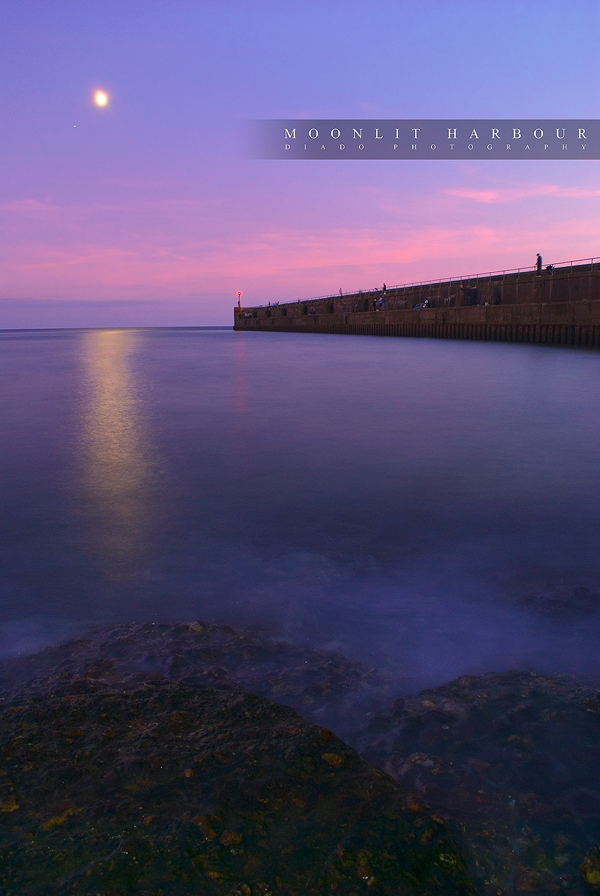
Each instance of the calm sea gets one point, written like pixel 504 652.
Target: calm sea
pixel 394 499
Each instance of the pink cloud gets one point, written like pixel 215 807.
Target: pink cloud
pixel 189 247
pixel 525 191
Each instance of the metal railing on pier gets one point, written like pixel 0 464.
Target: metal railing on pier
pixel 470 278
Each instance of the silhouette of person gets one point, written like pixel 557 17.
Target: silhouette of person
pixel 538 262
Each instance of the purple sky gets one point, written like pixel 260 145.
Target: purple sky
pixel 145 213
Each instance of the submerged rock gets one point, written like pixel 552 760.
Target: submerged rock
pixel 556 600
pixel 511 761
pixel 165 788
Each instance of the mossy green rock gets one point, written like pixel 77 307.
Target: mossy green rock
pixel 166 788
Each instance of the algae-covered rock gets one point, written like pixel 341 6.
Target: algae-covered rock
pixel 511 761
pixel 166 788
pixel 590 867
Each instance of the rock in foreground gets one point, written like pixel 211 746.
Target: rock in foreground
pixel 166 788
pixel 512 762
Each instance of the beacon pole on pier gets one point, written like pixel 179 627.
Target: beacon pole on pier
pixel 239 300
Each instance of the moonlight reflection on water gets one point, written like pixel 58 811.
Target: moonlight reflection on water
pixel 115 455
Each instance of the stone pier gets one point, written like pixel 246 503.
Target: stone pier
pixel 556 307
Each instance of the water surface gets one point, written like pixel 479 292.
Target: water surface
pixel 390 498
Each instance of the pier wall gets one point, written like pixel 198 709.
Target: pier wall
pixel 560 307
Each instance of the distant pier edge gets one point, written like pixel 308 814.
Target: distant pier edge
pixel 558 305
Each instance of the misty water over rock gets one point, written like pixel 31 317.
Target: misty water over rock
pixel 321 684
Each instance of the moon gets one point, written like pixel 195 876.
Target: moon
pixel 100 98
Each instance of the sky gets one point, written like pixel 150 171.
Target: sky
pixel 146 213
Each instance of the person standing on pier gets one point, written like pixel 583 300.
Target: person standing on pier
pixel 538 263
